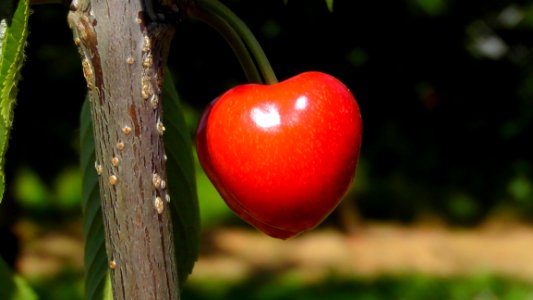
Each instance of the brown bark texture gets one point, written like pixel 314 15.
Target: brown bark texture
pixel 123 55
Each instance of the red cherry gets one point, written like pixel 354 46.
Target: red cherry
pixel 282 155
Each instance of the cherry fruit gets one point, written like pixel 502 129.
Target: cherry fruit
pixel 282 155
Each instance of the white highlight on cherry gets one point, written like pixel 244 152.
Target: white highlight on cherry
pixel 266 116
pixel 301 103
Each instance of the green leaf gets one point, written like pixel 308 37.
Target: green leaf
pixel 97 282
pixel 13 287
pixel 329 3
pixel 181 185
pixel 13 34
pixel 181 181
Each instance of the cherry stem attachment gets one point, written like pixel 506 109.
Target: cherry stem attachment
pixel 234 40
pixel 217 8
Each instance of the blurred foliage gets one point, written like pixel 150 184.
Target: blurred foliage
pixel 408 287
pixel 13 286
pixel 68 286
pixel 33 193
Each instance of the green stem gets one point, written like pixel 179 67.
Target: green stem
pixel 234 40
pixel 214 7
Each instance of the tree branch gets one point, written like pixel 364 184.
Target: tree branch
pixel 123 55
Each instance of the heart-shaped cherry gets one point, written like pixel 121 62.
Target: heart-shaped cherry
pixel 282 155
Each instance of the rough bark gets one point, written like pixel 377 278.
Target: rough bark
pixel 123 55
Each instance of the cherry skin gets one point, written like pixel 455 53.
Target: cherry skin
pixel 282 155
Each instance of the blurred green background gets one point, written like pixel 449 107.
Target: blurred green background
pixel 446 93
